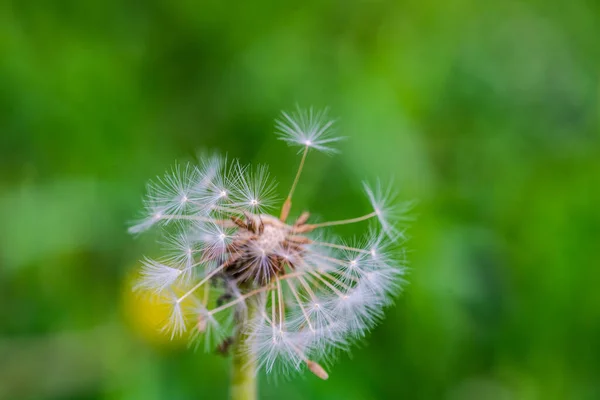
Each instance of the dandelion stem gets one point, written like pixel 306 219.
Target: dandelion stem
pixel 308 228
pixel 243 364
pixel 287 205
pixel 300 168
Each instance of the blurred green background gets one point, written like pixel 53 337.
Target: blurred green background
pixel 487 112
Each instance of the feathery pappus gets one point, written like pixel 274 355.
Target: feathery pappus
pixel 296 294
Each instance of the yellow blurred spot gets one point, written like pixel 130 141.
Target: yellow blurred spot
pixel 146 314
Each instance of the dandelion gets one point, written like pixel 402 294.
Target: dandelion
pixel 282 293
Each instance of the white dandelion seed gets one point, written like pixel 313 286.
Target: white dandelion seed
pixel 175 325
pixel 181 250
pixel 172 191
pixel 317 318
pixel 307 129
pixel 254 191
pixel 210 166
pixel 153 214
pixel 360 310
pixel 214 239
pixel 217 180
pixel 388 211
pixel 156 276
pixel 276 347
pixel 281 291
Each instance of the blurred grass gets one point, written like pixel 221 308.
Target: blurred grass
pixel 487 112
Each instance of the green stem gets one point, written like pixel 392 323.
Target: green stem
pixel 243 371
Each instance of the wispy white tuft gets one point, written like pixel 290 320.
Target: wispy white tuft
pixel 210 166
pixel 317 318
pixel 259 263
pixel 168 197
pixel 181 250
pixel 153 214
pixel 307 128
pixel 254 190
pixel 360 309
pixel 156 276
pixel 173 190
pixel 175 324
pixel 276 347
pixel 214 239
pixel 216 183
pixel 381 283
pixel 388 211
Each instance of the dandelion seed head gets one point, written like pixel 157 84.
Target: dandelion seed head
pixel 298 295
